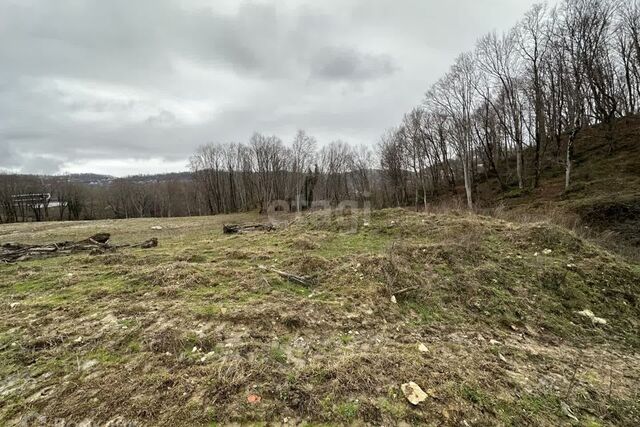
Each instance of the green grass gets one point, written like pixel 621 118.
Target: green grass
pixel 348 410
pixel 278 355
pixel 141 313
pixel 346 339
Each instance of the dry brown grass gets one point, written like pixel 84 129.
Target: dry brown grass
pixel 185 333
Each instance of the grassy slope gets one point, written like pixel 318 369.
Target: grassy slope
pixel 102 337
pixel 604 198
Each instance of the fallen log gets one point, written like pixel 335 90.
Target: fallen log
pixel 101 238
pixel 151 243
pixel 95 245
pixel 13 246
pixel 44 249
pixel 238 229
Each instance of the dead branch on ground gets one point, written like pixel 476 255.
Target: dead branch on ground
pixel 299 280
pixel 95 245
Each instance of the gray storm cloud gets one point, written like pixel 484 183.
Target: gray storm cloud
pixel 138 85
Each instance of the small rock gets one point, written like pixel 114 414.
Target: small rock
pixel 78 340
pixel 156 227
pixel 413 393
pixel 587 313
pixel 599 321
pixel 590 315
pixel 88 364
pixel 423 348
pixel 494 342
pixel 194 350
pixel 393 299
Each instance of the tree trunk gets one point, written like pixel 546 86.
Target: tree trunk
pixel 519 164
pixel 569 159
pixel 467 182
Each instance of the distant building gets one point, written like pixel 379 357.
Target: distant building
pixel 35 206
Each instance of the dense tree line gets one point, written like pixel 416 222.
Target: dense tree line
pixel 71 199
pixel 518 101
pixel 263 174
pixel 268 174
pixel 507 110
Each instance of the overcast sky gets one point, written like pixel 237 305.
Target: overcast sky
pixel 135 86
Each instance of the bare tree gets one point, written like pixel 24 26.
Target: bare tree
pixel 533 38
pixel 454 96
pixel 392 163
pixel 303 150
pixel 497 57
pixel 269 163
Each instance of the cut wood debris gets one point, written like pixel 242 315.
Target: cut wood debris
pixel 147 244
pixel 96 244
pixel 239 229
pixel 299 280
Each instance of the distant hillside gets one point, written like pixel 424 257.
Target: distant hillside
pixel 163 177
pixel 90 178
pixel 97 179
